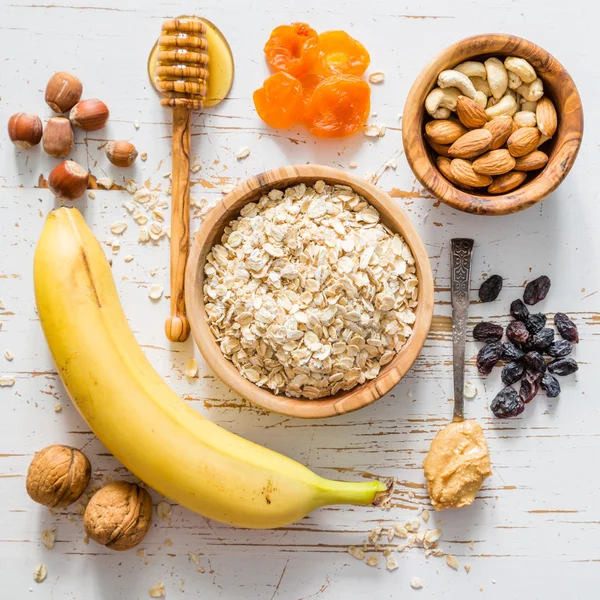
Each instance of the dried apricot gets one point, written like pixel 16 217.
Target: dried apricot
pixel 279 101
pixel 340 106
pixel 341 54
pixel 309 83
pixel 292 48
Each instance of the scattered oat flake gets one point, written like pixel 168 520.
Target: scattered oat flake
pixel 468 568
pixel 195 167
pixel 128 258
pixel 40 573
pixel 136 124
pixel 377 77
pixel 472 545
pixel 141 552
pixel 155 291
pixel 191 368
pixel 352 165
pixel 168 543
pixel 144 155
pixel 49 537
pixel 2 307
pixel 167 175
pixel 57 407
pixel 243 153
pixel 470 390
pixel 7 381
pixel 91 195
pixel 391 563
pixel 181 585
pixel 371 130
pixel 163 510
pixel 391 164
pixel 105 182
pixel 433 535
pixel 8 355
pixel 425 516
pixel 372 560
pixel 358 553
pixel 195 558
pixel 227 188
pixel 157 590
pixel 86 540
pixel 118 227
pixel 452 561
pixel 415 583
pixel 390 534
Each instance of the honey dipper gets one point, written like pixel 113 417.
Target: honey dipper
pixel 181 76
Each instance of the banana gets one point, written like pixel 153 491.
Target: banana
pixel 141 421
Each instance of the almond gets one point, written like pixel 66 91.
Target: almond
pixel 508 181
pixel 471 115
pixel 545 113
pixel 495 162
pixel 443 164
pixel 523 141
pixel 463 173
pixel 444 131
pixel 532 161
pixel 471 144
pixel 441 149
pixel 500 128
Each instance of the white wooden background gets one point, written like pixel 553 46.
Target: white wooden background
pixel 536 523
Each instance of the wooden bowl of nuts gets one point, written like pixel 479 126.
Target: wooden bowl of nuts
pixel 492 125
pixel 309 292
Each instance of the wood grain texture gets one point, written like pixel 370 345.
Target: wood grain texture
pixel 563 149
pixel 177 327
pixel 212 229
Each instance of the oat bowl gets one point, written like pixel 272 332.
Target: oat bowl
pixel 309 292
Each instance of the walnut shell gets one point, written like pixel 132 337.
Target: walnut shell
pixel 58 475
pixel 119 515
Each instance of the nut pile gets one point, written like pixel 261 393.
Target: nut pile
pixel 523 354
pixel 503 118
pixel 308 292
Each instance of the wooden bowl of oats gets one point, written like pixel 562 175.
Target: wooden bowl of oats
pixel 315 285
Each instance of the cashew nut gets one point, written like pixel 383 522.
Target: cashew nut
pixel 525 118
pixel 481 85
pixel 441 102
pixel 543 139
pixel 458 80
pixel 520 67
pixel 526 105
pixel 481 99
pixel 514 81
pixel 533 91
pixel 497 77
pixel 471 68
pixel 493 101
pixel 506 106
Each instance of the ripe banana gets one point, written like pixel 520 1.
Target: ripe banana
pixel 154 433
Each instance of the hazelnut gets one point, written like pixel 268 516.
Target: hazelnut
pixel 89 115
pixel 121 153
pixel 119 515
pixel 58 137
pixel 68 181
pixel 25 130
pixel 58 475
pixel 63 92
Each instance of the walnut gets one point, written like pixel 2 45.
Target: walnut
pixel 119 515
pixel 58 475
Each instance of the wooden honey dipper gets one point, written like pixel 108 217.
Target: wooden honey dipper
pixel 181 76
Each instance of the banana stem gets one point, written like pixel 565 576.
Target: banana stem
pixel 345 492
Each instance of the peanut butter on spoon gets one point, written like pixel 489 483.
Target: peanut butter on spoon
pixel 458 461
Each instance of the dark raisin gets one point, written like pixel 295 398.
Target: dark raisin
pixel 512 372
pixel 507 404
pixel 516 332
pixel 536 290
pixel 511 352
pixel 518 310
pixel 566 328
pixel 488 356
pixel 535 323
pixel 490 288
pixel 530 385
pixel 535 361
pixel 550 385
pixel 488 332
pixel 560 348
pixel 542 339
pixel 563 366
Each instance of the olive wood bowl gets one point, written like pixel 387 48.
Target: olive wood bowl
pixel 210 233
pixel 562 149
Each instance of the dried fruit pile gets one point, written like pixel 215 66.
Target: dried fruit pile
pixel 523 354
pixel 316 81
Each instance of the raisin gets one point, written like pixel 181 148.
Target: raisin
pixel 530 385
pixel 518 310
pixel 488 356
pixel 517 333
pixel 536 290
pixel 563 366
pixel 511 352
pixel 488 332
pixel 566 328
pixel 542 339
pixel 490 288
pixel 550 385
pixel 535 323
pixel 507 404
pixel 560 348
pixel 512 372
pixel 535 361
